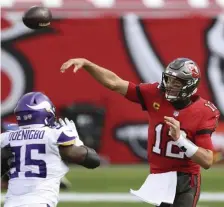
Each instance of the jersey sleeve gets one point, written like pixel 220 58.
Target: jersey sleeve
pixel 209 120
pixel 140 93
pixel 66 137
pixel 131 94
pixel 204 141
pixel 207 126
pixel 5 136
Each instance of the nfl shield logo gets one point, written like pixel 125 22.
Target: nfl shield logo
pixel 176 113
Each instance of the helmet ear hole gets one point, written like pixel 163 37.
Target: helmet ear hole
pixel 35 101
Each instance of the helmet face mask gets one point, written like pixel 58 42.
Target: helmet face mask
pixel 173 87
pixel 180 80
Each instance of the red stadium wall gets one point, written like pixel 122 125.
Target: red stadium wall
pixel 129 47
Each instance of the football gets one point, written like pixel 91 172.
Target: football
pixel 37 17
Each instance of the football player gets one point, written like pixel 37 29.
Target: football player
pixel 40 150
pixel 181 122
pixel 65 183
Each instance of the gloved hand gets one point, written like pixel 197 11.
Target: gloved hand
pixel 71 125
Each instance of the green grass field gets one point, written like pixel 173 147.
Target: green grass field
pixel 122 178
pixel 119 179
pixel 127 205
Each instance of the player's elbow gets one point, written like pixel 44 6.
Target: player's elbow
pixel 111 84
pixel 114 83
pixel 208 161
pixel 206 166
pixel 92 159
pixel 120 86
pixel 72 154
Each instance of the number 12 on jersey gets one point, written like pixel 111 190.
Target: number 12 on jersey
pixel 157 146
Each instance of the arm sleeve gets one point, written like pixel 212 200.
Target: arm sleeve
pixel 139 93
pixel 204 141
pixel 205 129
pixel 208 123
pixel 131 94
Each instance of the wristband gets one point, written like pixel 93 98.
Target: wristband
pixel 188 147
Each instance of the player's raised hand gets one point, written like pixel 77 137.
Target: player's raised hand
pixel 71 125
pixel 77 63
pixel 174 127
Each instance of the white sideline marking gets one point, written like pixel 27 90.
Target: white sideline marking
pixel 121 197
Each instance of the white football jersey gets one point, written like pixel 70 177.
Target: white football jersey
pixel 37 169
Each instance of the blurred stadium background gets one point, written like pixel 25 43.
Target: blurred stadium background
pixel 135 39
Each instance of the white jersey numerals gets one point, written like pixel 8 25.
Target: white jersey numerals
pixel 211 106
pixel 157 146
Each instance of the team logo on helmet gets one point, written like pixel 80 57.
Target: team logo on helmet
pixel 43 105
pixel 194 70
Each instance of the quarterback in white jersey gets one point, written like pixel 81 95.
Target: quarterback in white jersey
pixel 39 150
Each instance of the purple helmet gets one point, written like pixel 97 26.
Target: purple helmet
pixel 35 108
